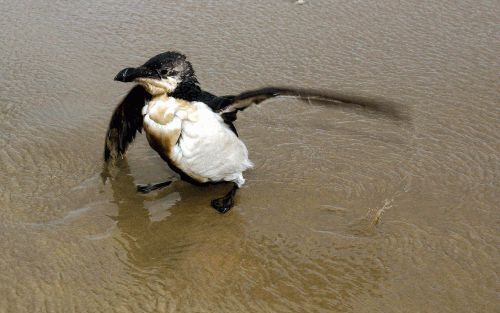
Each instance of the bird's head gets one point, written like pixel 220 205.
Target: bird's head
pixel 160 74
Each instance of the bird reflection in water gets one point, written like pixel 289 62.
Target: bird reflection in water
pixel 183 254
pixel 159 231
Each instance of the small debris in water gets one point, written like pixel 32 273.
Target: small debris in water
pixel 300 2
pixel 376 215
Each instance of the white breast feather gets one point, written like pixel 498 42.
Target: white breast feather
pixel 207 147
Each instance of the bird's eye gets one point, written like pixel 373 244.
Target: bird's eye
pixel 163 72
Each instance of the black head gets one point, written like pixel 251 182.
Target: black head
pixel 160 74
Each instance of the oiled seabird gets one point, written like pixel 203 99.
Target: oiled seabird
pixel 193 130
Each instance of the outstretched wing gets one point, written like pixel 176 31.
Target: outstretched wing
pixel 125 123
pixel 245 99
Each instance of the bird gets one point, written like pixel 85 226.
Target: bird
pixel 193 130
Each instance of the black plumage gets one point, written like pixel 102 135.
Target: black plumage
pixel 125 122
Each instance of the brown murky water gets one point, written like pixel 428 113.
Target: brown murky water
pixel 308 233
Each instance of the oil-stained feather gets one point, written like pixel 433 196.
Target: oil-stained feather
pixel 243 100
pixel 125 123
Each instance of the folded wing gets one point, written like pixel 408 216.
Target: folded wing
pixel 125 123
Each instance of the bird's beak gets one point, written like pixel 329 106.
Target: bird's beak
pixel 130 74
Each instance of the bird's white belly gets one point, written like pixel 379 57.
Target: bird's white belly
pixel 196 140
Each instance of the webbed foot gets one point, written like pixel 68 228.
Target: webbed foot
pixel 224 204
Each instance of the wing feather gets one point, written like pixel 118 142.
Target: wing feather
pixel 125 123
pixel 245 99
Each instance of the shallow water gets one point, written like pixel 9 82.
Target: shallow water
pixel 342 212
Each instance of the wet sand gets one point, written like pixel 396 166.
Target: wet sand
pixel 342 213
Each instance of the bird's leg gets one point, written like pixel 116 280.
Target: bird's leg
pixel 224 204
pixel 145 188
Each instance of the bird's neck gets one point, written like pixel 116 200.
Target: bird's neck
pixel 187 90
